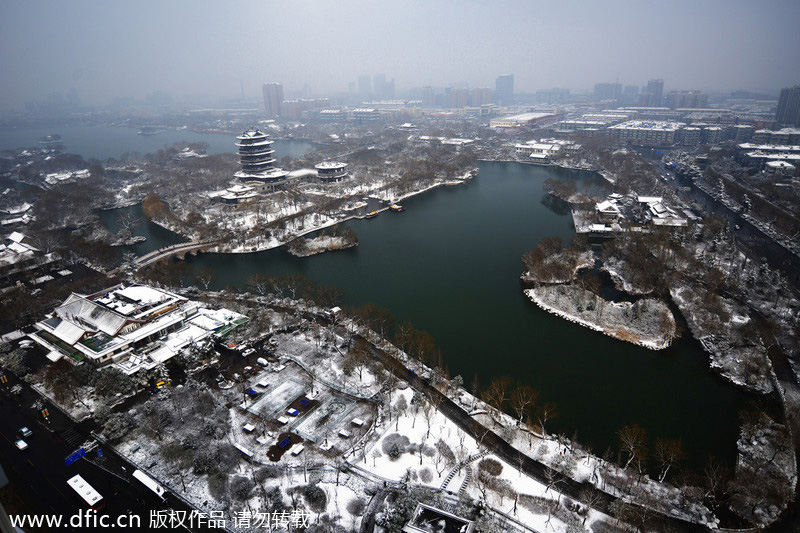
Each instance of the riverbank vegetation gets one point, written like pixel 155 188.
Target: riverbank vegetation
pixel 740 311
pixel 339 238
pixel 557 285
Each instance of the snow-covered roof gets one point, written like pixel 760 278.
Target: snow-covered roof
pixel 68 332
pixel 649 199
pixel 90 315
pixel 648 125
pixel 239 189
pixel 142 294
pixel 330 165
pixel 780 164
pixel 252 133
pixel 607 207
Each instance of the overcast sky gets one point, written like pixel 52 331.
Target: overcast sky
pixel 131 48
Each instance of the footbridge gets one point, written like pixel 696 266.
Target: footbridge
pixel 180 250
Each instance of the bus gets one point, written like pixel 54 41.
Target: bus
pixel 150 483
pixel 91 497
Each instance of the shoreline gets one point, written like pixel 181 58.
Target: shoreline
pixel 631 337
pixel 463 178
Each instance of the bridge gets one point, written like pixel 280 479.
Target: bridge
pixel 180 249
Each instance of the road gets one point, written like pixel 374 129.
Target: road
pixel 39 474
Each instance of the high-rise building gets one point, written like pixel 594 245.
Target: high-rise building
pixel 383 90
pixel 364 84
pixel 428 97
pixel 607 91
pixel 687 99
pixel 378 82
pixel 388 90
pixel 481 96
pixel 504 89
pixel 273 97
pixel 552 96
pixel 789 106
pixel 653 95
pixel 458 97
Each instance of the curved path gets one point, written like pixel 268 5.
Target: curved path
pixel 511 455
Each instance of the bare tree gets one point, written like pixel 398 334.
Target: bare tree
pixel 667 452
pixel 523 398
pixel 632 440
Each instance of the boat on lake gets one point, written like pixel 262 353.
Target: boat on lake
pixel 371 214
pixel 397 208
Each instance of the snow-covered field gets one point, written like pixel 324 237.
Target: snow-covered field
pixel 648 323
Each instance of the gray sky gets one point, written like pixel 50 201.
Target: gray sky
pixel 131 48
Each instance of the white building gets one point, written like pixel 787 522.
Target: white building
pixel 779 169
pixel 522 120
pixel 235 194
pixel 132 327
pixel 647 132
pixel 257 159
pixel 331 171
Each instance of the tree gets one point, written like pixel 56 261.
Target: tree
pixel 205 276
pixel 523 399
pixel 544 413
pixel 113 381
pixel 378 319
pixel 668 452
pixel 715 479
pixel 632 440
pixel 178 456
pixel 497 393
pixel 359 357
pixel 64 382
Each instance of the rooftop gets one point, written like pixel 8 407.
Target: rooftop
pixel 648 125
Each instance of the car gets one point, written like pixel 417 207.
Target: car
pixel 25 432
pixel 21 445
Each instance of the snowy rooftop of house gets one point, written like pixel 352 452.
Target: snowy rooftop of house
pixel 329 165
pixel 794 156
pixel 779 164
pixel 256 142
pixel 239 189
pixel 252 133
pixel 648 125
pixel 524 117
pixel 608 206
pixel 271 174
pixel 649 199
pixel 770 147
pixel 587 122
pixel 16 237
pixel 19 209
pixel 15 251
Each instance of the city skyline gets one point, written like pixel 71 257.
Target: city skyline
pixel 105 51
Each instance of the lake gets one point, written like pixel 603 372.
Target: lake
pixel 450 265
pixel 102 142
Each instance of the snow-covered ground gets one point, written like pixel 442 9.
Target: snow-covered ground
pixel 648 323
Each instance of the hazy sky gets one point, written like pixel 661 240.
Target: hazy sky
pixel 131 48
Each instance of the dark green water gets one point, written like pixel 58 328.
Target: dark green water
pixel 450 264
